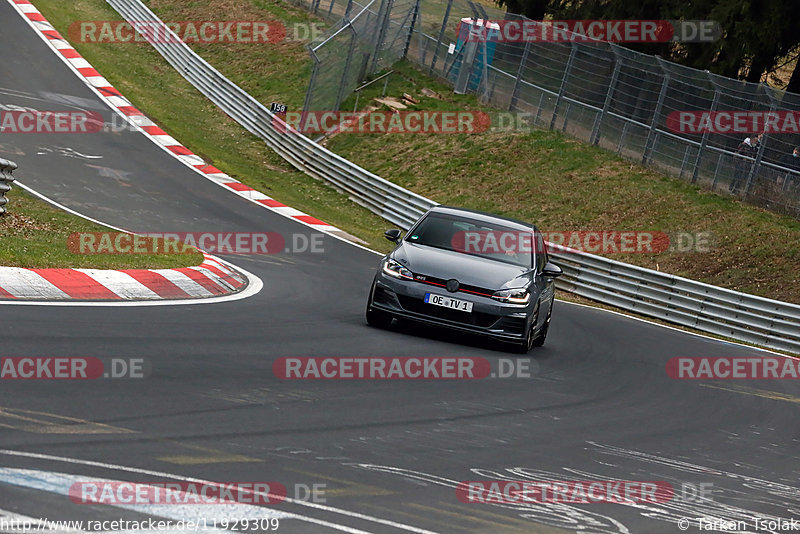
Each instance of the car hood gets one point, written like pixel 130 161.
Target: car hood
pixel 470 270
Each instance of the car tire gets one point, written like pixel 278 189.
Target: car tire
pixel 539 341
pixel 525 346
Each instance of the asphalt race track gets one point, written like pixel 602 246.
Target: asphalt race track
pixel 386 455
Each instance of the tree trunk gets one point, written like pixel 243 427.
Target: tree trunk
pixel 794 81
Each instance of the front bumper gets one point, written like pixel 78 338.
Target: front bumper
pixel 405 299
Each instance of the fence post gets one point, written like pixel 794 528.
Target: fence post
pixel 646 153
pixel 704 140
pixel 6 168
pixel 573 51
pixel 384 16
pixel 522 62
pixel 760 155
pixel 311 82
pixel 595 138
pixel 411 29
pixel 439 38
pixel 346 70
pixel 470 52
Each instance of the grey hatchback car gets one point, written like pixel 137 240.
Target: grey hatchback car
pixel 469 271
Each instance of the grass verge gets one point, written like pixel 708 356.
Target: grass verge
pixel 34 235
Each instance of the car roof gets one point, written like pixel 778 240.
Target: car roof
pixel 483 217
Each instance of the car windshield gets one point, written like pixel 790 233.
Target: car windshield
pixel 475 238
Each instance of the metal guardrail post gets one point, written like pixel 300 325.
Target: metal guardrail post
pixel 651 134
pixel 6 168
pixel 598 121
pixel 573 51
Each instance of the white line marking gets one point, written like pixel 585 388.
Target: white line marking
pixel 140 471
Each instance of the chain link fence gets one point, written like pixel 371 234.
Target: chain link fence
pixel 599 92
pixel 366 38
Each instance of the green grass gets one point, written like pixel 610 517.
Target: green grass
pixel 546 177
pixel 34 235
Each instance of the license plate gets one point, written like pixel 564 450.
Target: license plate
pixel 448 302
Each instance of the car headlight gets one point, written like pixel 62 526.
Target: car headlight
pixel 396 270
pixel 513 296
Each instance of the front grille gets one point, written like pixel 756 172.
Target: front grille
pixel 411 304
pixel 442 282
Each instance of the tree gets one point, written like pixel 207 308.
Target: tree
pixel 756 34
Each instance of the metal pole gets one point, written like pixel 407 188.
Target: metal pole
pixel 757 163
pixel 716 171
pixel 622 137
pixel 539 108
pixel 384 15
pixel 311 82
pixel 646 153
pixel 411 29
pixel 573 51
pixel 595 138
pixel 704 140
pixel 346 70
pixel 441 35
pixel 685 158
pixel 522 62
pixel 760 155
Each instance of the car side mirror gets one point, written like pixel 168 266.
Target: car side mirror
pixel 392 235
pixel 551 270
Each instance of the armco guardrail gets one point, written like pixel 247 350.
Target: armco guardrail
pixel 677 300
pixel 6 167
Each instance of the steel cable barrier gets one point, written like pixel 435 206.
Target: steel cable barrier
pixel 6 168
pixel 677 300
